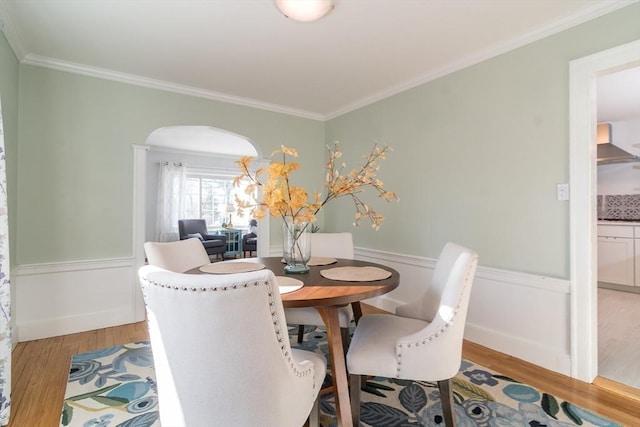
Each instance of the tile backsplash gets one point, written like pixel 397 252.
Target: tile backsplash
pixel 619 206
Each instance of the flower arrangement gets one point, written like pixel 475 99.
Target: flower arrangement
pixel 281 198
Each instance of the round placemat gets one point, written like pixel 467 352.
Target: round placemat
pixel 355 274
pixel 231 267
pixel 288 284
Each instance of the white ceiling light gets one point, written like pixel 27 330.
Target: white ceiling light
pixel 305 10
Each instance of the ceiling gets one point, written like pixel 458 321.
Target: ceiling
pixel 246 52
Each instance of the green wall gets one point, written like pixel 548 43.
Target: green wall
pixel 478 154
pixel 477 157
pixel 76 161
pixel 9 77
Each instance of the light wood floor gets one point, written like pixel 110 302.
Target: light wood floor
pixel 40 370
pixel 619 336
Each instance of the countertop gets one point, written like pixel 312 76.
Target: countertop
pixel 605 222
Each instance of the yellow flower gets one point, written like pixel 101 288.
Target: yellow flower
pixel 284 199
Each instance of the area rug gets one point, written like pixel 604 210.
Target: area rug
pixel 115 387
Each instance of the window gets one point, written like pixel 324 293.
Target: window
pixel 209 195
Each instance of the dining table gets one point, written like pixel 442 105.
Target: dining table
pixel 327 295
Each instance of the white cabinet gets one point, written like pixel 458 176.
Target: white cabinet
pixel 617 258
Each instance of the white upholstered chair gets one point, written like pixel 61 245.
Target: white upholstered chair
pixel 423 342
pixel 179 256
pixel 221 352
pixel 333 245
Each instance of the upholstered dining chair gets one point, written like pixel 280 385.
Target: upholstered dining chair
pixel 178 256
pixel 221 351
pixel 335 245
pixel 423 341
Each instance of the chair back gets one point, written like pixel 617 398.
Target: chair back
pixel 221 351
pixel 337 245
pixel 179 256
pixel 444 305
pixel 191 226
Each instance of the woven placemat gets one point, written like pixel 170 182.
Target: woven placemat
pixel 231 267
pixel 288 284
pixel 355 274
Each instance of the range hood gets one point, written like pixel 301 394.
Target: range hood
pixel 609 154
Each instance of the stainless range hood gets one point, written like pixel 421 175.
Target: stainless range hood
pixel 609 154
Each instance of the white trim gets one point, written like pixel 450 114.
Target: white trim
pixel 583 73
pixel 495 275
pixel 503 308
pixel 132 79
pixel 68 297
pixel 14 39
pixel 53 327
pixel 139 220
pixel 71 266
pixel 599 9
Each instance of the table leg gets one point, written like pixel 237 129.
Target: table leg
pixel 329 315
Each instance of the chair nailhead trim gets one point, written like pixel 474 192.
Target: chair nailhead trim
pixel 467 281
pixel 274 316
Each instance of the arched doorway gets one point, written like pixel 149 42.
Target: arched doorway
pixel 202 148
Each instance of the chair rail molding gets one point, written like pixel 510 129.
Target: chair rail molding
pixel 503 311
pixel 67 297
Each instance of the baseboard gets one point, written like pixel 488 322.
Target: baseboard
pixel 526 316
pixel 523 315
pixel 53 327
pixel 61 298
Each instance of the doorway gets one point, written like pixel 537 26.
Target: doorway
pixel 203 147
pixel 583 217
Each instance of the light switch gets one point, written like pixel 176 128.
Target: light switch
pixel 562 191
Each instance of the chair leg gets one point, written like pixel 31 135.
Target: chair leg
pixel 314 416
pixel 355 382
pixel 300 333
pixel 446 399
pixel 346 339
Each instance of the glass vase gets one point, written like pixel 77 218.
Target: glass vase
pixel 296 246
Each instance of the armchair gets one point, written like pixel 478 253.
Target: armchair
pixel 214 244
pixel 221 351
pixel 250 240
pixel 423 342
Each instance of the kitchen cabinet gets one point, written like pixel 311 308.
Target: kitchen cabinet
pixel 617 255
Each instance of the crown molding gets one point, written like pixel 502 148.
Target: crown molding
pixel 11 34
pixel 132 79
pixel 586 15
pixel 597 10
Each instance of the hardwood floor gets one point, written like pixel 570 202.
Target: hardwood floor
pixel 40 370
pixel 619 336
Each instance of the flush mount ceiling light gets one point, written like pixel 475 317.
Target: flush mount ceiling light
pixel 305 10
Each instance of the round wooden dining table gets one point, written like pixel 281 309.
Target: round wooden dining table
pixel 326 296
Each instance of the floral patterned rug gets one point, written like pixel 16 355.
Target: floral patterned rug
pixel 115 387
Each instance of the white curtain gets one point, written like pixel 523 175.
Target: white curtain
pixel 5 296
pixel 171 189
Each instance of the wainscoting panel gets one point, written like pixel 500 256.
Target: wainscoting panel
pixel 519 314
pixel 62 298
